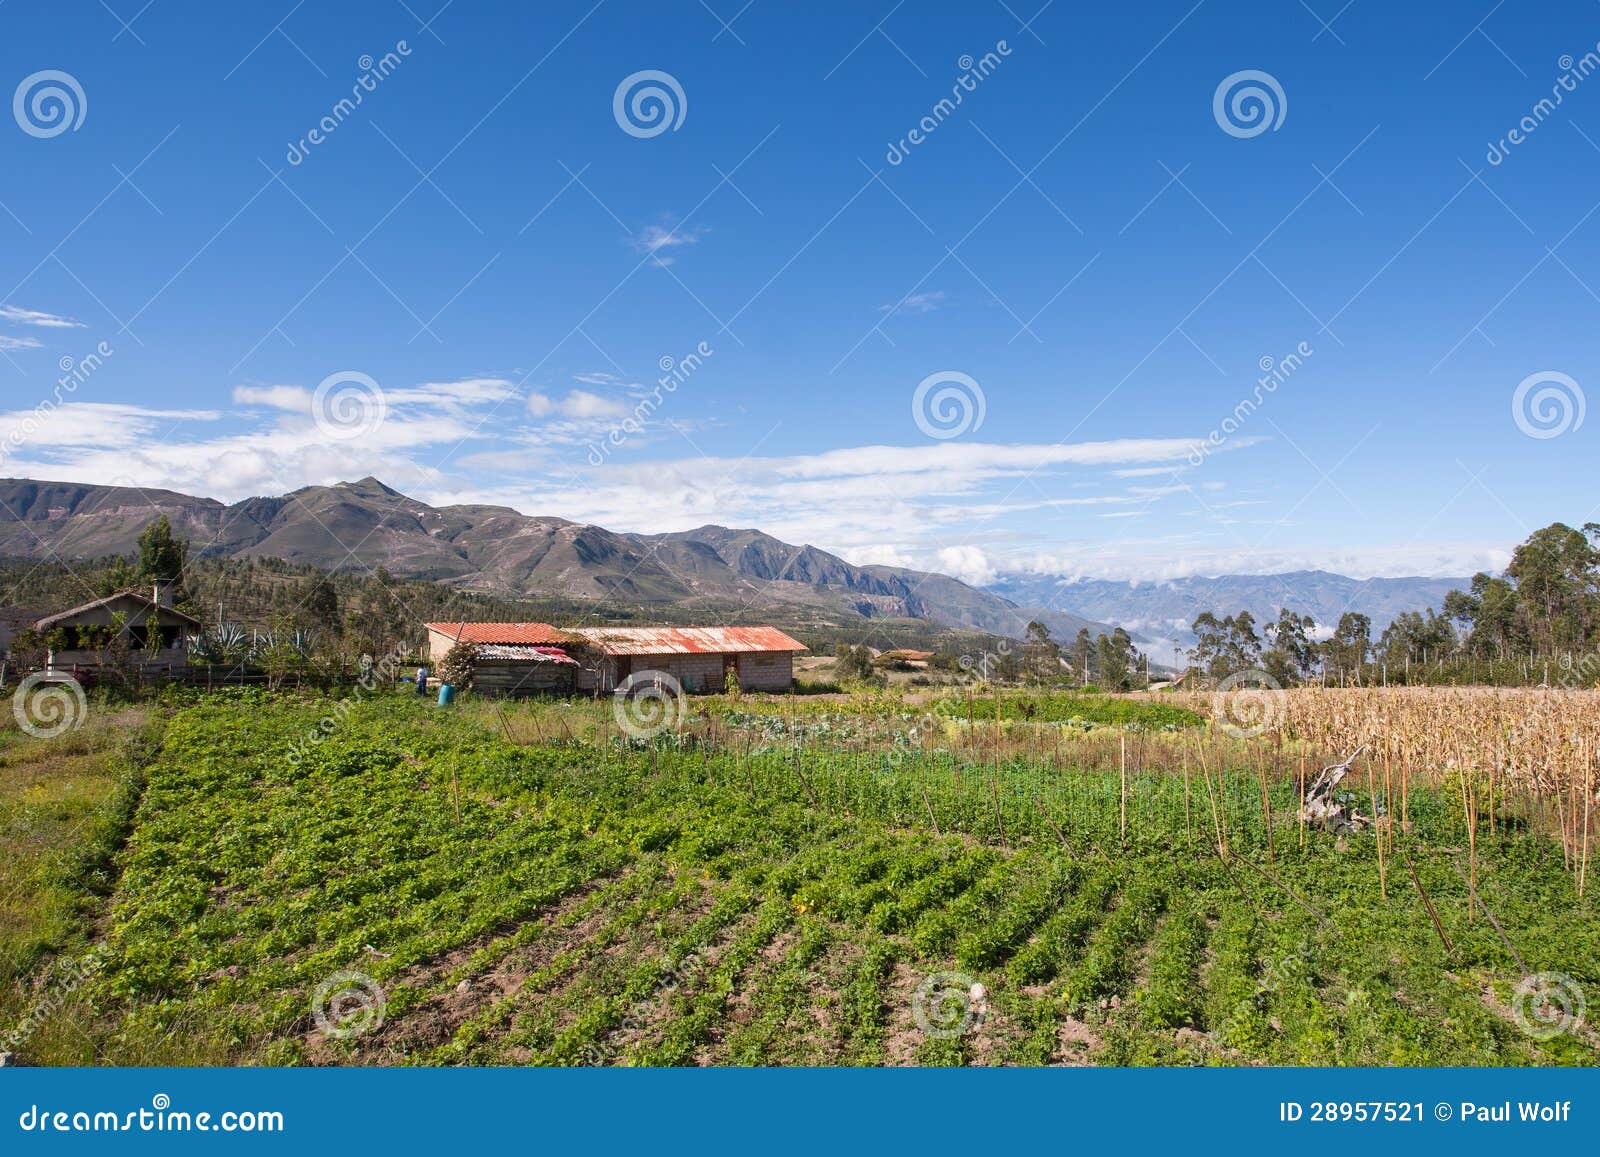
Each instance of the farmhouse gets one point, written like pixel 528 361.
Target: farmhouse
pixel 699 658
pixel 524 658
pixel 902 658
pixel 149 626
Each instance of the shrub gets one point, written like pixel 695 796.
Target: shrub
pixel 456 667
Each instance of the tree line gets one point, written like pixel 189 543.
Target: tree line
pixel 1539 621
pixel 1108 661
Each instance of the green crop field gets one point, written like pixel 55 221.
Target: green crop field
pixel 475 886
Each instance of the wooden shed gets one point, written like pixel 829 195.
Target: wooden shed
pixel 517 671
pixel 699 658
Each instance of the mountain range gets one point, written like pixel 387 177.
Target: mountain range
pixel 364 525
pixel 495 549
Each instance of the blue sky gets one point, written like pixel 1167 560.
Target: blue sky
pixel 1081 238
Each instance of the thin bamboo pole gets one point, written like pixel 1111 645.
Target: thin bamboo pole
pixel 1383 878
pixel 1122 827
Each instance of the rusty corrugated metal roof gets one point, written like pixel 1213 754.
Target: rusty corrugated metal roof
pixel 524 654
pixel 527 634
pixel 688 640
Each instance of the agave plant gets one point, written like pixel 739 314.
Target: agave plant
pixel 220 644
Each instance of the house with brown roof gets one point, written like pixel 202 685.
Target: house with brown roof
pixel 148 625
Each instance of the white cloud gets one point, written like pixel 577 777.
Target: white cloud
pixel 455 396
pixel 1162 560
pixel 19 316
pixel 658 240
pixel 91 424
pixel 967 563
pixel 1147 472
pixel 18 343
pixel 95 442
pixel 462 393
pixel 294 398
pixel 582 404
pixel 915 303
pixel 578 404
pixel 879 554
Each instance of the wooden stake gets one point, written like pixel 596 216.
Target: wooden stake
pixel 1588 797
pixel 1122 827
pixel 1266 803
pixel 1321 919
pixel 1506 940
pixel 804 782
pixel 1300 811
pixel 1372 792
pixel 1047 818
pixel 1187 831
pixel 1427 903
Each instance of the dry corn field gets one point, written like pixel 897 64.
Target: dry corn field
pixel 1513 754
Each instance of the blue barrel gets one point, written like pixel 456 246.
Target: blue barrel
pixel 447 694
